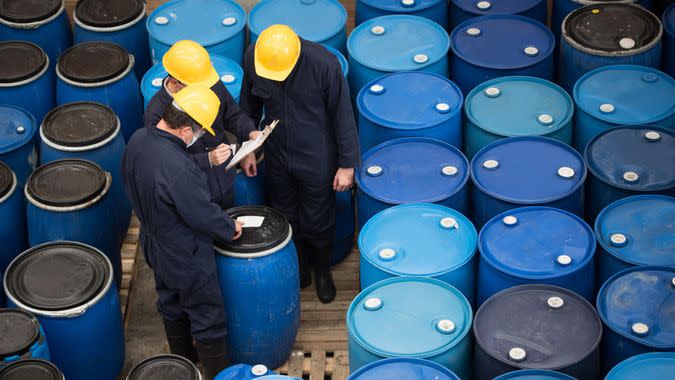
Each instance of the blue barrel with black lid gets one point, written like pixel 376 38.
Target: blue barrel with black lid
pixel 217 25
pixel 420 239
pixel 12 218
pixel 516 106
pixel 261 287
pixel 33 369
pixel 536 245
pixel 320 21
pixel 653 365
pixel 493 46
pixel 403 369
pixel 434 10
pixel 627 161
pixel 243 372
pixel 411 170
pixel 462 10
pixel 415 317
pixel 17 141
pixel 668 21
pixel 636 306
pixel 410 104
pixel 394 43
pixel 25 78
pixel 164 367
pixel 68 286
pixel 526 171
pixel 22 337
pixel 537 327
pixel 617 95
pixel 606 34
pixel 534 374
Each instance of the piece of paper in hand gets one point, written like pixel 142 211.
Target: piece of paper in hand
pixel 250 146
pixel 251 221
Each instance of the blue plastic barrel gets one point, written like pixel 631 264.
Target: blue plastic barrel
pixel 12 217
pixel 629 161
pixel 562 8
pixel 636 306
pixel 410 104
pixel 516 106
pixel 121 22
pixel 395 43
pixel 534 374
pixel 526 171
pixel 411 170
pixel 606 34
pixel 434 10
pixel 34 369
pixel 250 191
pixel 17 142
pixel 243 372
pixel 462 10
pixel 536 245
pixel 403 369
pixel 653 365
pixel 101 72
pixel 669 40
pixel 164 367
pixel 321 21
pixel 424 239
pixel 43 23
pixel 69 287
pixel 617 95
pixel 22 337
pixel 218 25
pixel 261 288
pixel 537 327
pixel 415 317
pixel 489 47
pixel 25 78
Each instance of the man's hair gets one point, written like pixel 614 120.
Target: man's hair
pixel 177 119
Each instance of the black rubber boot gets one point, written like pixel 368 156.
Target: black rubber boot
pixel 325 288
pixel 180 339
pixel 303 264
pixel 213 357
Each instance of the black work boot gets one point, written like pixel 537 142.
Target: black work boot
pixel 213 357
pixel 325 288
pixel 303 264
pixel 180 339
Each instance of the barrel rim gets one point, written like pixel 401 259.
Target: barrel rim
pixel 34 23
pixel 639 358
pixel 420 361
pixel 669 27
pixel 101 82
pixel 255 255
pixel 552 374
pixel 524 8
pixel 109 27
pixel 400 10
pixel 86 204
pixel 31 134
pixel 340 57
pixel 58 375
pixel 13 185
pixel 197 374
pixel 82 148
pixel 31 78
pixel 34 338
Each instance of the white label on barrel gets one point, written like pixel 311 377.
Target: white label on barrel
pixel 228 78
pixel 251 221
pixel 259 370
pixel 229 21
pixel 161 20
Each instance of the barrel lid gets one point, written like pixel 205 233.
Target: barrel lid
pixel 17 128
pixel 20 60
pixel 19 330
pixel 206 22
pixel 536 242
pixel 409 316
pixel 418 240
pixel 669 20
pixel 481 7
pixel 108 13
pixel 92 62
pixel 537 327
pixel 79 124
pixel 243 371
pixel 313 20
pixel 398 43
pixel 519 106
pixel 163 367
pixel 639 304
pixel 403 369
pixel 273 230
pixel 7 179
pixel 33 369
pixel 644 162
pixel 410 100
pixel 502 41
pixel 22 11
pixel 652 365
pixel 639 230
pixel 402 6
pixel 534 374
pixel 65 183
pixel 621 28
pixel 344 65
pixel 57 276
pixel 626 94
pixel 412 170
pixel 528 169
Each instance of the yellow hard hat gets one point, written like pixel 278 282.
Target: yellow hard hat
pixel 276 52
pixel 190 63
pixel 200 103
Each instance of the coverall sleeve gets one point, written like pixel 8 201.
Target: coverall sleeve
pixel 249 102
pixel 235 119
pixel 339 109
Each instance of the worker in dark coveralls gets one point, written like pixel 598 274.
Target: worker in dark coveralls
pixel 179 222
pixel 314 149
pixel 189 63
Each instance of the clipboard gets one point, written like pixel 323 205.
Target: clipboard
pixel 250 146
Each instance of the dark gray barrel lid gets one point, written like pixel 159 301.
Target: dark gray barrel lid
pixel 20 60
pixel 79 124
pixel 31 369
pixel 108 13
pixel 6 179
pixel 93 62
pixel 537 327
pixel 612 27
pixel 19 330
pixel 65 183
pixel 164 367
pixel 25 11
pixel 273 231
pixel 58 276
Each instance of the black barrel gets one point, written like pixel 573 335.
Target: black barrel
pixel 164 367
pixel 31 369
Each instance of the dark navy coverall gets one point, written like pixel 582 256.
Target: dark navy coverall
pixel 168 193
pixel 316 135
pixel 230 118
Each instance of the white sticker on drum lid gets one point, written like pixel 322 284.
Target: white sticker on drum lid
pixel 251 221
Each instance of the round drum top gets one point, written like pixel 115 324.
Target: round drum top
pixel 653 365
pixel 79 124
pixel 19 330
pixel 482 7
pixel 403 369
pixel 7 179
pixel 402 6
pixel 164 367
pixel 534 374
pixel 108 13
pixel 313 20
pixel 272 231
pixel 93 62
pixel 33 369
pixel 17 128
pixel 20 60
pixel 64 183
pixel 27 11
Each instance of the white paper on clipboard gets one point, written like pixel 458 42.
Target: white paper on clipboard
pixel 250 146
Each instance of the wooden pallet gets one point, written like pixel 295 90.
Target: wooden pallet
pixel 129 250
